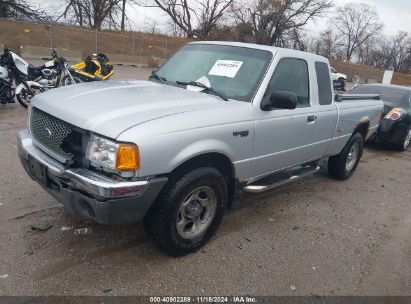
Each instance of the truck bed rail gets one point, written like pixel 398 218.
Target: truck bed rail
pixel 342 97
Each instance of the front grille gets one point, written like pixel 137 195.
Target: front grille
pixel 50 132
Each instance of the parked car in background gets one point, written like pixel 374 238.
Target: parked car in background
pixel 335 76
pixel 215 118
pixel 395 126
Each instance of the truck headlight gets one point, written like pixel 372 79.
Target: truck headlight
pixel 110 154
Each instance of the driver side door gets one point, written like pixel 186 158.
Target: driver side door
pixel 283 138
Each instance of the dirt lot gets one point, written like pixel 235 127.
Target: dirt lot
pixel 321 236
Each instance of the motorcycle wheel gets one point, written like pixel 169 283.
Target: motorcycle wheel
pixel 67 80
pixel 24 97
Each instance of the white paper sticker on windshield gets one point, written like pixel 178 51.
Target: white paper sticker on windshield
pixel 226 68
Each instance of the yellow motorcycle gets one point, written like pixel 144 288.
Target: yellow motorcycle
pixel 93 68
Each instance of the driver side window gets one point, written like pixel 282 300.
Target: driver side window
pixel 291 75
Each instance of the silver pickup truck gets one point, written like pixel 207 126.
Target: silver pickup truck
pixel 216 118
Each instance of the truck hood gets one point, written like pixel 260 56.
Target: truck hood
pixel 111 107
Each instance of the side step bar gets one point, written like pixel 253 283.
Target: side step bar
pixel 282 178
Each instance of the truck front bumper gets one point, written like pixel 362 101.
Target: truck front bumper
pixel 86 193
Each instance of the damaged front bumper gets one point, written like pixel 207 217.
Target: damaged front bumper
pixel 86 193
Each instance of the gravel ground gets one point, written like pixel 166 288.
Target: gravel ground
pixel 317 236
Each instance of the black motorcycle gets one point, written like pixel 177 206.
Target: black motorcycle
pixel 53 73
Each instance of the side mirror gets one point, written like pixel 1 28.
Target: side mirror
pixel 280 100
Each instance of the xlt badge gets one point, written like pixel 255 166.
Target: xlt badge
pixel 241 133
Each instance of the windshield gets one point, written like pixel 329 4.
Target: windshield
pixel 394 96
pixel 233 71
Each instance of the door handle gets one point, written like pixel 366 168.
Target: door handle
pixel 311 118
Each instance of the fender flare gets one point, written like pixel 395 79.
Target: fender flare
pixel 29 83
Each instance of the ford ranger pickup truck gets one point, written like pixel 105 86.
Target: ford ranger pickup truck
pixel 216 118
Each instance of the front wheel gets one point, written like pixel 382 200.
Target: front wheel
pixel 343 165
pixel 67 80
pixel 26 94
pixel 188 211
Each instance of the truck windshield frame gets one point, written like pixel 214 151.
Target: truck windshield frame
pixel 197 62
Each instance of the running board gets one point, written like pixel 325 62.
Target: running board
pixel 282 178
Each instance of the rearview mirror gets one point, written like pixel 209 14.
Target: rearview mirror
pixel 280 100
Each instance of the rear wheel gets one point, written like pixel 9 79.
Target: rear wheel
pixel 343 165
pixel 188 211
pixel 67 80
pixel 405 141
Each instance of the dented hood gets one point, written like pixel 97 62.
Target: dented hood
pixel 111 107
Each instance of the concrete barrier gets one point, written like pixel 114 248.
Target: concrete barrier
pixel 140 61
pixel 40 52
pixel 70 55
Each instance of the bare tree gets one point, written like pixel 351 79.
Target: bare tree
pixel 401 51
pixel 124 17
pixel 366 51
pixel 273 20
pixel 380 54
pixel 174 29
pixel 330 43
pixel 20 10
pixel 152 27
pixel 195 17
pixel 297 40
pixel 93 13
pixel 356 22
pixel 384 52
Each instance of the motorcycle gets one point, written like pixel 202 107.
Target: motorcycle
pixel 14 70
pixel 53 73
pixel 339 85
pixel 93 68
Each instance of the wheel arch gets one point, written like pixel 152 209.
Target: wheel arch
pixel 217 160
pixel 363 127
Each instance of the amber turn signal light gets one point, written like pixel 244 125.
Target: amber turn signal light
pixel 128 157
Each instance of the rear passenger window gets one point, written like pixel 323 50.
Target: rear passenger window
pixel 291 75
pixel 324 83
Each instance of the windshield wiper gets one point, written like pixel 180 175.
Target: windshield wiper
pixel 157 77
pixel 206 88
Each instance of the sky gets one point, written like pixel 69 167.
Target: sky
pixel 395 15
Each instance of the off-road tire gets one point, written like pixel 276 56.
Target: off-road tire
pixel 160 221
pixel 337 164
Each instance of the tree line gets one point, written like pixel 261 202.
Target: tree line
pixel 354 31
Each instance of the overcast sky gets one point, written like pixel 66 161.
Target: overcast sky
pixel 395 14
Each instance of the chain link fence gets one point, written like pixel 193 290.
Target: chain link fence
pixel 124 47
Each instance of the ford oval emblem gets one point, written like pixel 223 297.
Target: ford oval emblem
pixel 46 132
